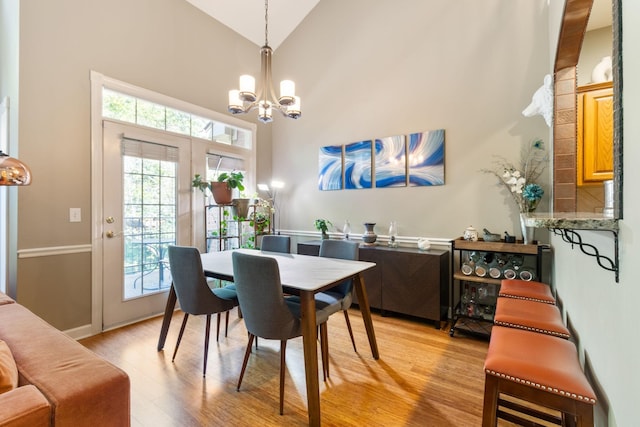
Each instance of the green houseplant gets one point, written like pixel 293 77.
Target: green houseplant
pixel 224 185
pixel 200 183
pixel 322 225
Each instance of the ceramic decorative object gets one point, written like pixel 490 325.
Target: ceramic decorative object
pixel 470 234
pixel 369 237
pixel 424 244
pixel 490 237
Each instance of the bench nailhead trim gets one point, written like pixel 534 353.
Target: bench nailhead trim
pixel 542 387
pixel 532 329
pixel 526 298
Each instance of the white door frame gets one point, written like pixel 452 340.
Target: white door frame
pixel 198 150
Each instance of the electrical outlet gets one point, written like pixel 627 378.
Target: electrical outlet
pixel 75 215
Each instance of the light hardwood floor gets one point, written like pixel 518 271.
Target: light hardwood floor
pixel 423 376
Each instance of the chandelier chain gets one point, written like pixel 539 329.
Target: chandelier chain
pixel 266 22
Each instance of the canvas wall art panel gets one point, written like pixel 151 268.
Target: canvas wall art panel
pixel 426 158
pixel 330 168
pixel 390 161
pixel 357 165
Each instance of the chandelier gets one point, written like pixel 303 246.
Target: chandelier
pixel 245 99
pixel 13 171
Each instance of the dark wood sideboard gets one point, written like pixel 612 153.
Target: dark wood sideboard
pixel 405 280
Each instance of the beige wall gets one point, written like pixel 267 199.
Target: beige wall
pixel 375 69
pixel 166 46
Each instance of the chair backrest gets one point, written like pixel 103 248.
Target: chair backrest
pixel 276 243
pixel 343 249
pixel 189 282
pixel 265 313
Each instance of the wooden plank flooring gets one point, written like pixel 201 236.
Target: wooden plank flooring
pixel 423 376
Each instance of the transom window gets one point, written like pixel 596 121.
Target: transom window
pixel 131 109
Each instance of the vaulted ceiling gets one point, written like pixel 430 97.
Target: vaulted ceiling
pixel 246 17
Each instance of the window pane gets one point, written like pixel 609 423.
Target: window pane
pixel 178 121
pixel 118 106
pixel 132 164
pixel 133 186
pixel 201 127
pixel 150 114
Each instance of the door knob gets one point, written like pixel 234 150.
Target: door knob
pixel 111 234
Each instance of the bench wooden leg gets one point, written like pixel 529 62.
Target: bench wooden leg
pixel 490 407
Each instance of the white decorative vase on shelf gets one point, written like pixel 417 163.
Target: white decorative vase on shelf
pixel 527 231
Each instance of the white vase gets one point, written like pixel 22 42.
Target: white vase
pixel 527 232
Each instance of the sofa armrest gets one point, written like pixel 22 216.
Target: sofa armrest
pixel 24 406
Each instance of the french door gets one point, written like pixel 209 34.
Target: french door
pixel 146 199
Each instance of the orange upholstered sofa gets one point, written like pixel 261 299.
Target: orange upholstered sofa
pixel 59 382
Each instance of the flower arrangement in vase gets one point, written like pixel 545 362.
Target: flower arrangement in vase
pixel 521 181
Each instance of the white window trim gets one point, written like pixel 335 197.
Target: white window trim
pixel 98 82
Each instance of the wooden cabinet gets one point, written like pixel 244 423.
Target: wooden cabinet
pixel 404 280
pixel 477 268
pixel 595 133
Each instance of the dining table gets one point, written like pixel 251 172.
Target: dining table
pixel 302 275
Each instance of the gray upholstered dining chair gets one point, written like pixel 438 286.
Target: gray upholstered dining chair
pixel 267 313
pixel 269 243
pixel 276 243
pixel 194 294
pixel 340 295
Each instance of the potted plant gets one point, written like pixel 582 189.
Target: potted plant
pixel 200 183
pixel 224 185
pixel 322 225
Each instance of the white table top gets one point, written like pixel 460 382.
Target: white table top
pixel 302 272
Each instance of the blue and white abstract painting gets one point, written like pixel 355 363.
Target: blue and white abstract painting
pixel 330 162
pixel 391 163
pixel 426 158
pixel 357 165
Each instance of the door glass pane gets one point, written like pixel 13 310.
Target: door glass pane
pixel 149 212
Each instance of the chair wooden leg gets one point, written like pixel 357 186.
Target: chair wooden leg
pixel 324 350
pixel 246 359
pixel 218 327
pixel 226 324
pixel 206 343
pixel 346 317
pixel 184 323
pixel 283 349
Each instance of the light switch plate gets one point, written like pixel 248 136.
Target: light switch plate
pixel 75 215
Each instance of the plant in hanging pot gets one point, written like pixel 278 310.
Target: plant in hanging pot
pixel 222 187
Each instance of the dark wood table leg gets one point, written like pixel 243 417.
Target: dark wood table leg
pixel 309 337
pixel 166 320
pixel 363 303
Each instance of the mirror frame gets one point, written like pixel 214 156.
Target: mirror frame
pixel 572 31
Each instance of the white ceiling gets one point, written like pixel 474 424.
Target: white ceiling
pixel 246 17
